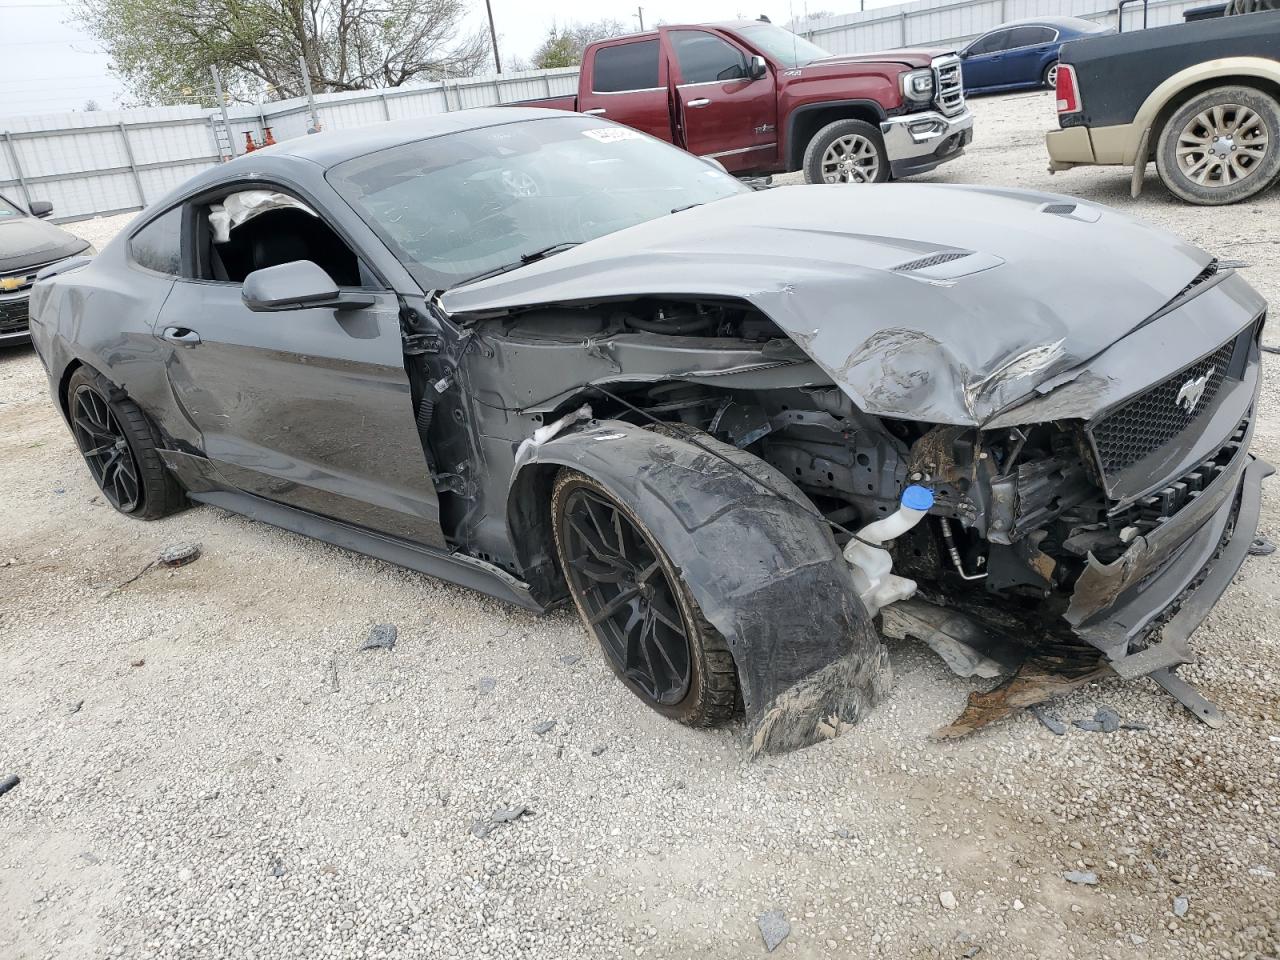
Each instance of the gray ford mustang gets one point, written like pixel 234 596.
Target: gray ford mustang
pixel 745 432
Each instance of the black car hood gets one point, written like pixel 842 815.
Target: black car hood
pixel 28 242
pixel 932 302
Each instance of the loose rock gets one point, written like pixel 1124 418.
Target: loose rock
pixel 774 928
pixel 546 726
pixel 1083 877
pixel 948 900
pixel 381 637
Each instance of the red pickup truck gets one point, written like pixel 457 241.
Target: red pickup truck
pixel 762 100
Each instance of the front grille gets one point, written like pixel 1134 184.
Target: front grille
pixel 949 84
pixel 1150 420
pixel 13 316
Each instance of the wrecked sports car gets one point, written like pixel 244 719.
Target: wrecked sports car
pixel 744 431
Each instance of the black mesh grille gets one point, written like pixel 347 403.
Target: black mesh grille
pixel 1061 209
pixel 1152 419
pixel 13 315
pixel 931 261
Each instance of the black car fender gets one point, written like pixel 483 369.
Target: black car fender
pixel 754 552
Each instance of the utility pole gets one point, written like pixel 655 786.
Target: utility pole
pixel 640 17
pixel 311 99
pixel 493 35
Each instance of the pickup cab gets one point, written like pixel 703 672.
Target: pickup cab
pixel 1199 98
pixel 761 100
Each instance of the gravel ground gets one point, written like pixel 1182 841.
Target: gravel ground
pixel 211 767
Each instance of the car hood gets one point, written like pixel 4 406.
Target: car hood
pixel 933 302
pixel 28 242
pixel 911 56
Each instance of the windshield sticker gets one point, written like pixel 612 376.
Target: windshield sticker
pixel 612 134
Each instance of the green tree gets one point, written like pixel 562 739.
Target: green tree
pixel 159 47
pixel 563 46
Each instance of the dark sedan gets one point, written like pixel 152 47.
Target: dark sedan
pixel 27 246
pixel 1021 53
pixel 553 358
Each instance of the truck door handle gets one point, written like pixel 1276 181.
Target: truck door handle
pixel 595 111
pixel 700 102
pixel 181 335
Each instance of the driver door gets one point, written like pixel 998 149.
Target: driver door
pixel 723 112
pixel 308 407
pixel 984 60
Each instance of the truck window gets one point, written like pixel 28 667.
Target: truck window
pixel 626 66
pixel 705 58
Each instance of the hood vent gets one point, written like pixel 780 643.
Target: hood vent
pixel 924 263
pixel 1061 209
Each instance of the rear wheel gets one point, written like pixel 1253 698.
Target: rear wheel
pixel 1051 75
pixel 847 151
pixel 632 599
pixel 119 445
pixel 1221 147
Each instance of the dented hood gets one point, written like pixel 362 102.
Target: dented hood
pixel 933 302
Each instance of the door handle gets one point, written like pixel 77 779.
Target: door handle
pixel 700 102
pixel 181 335
pixel 595 111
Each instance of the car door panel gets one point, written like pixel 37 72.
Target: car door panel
pixel 311 408
pixel 628 84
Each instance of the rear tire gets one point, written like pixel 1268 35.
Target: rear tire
pixel 672 659
pixel 1221 147
pixel 120 446
pixel 847 151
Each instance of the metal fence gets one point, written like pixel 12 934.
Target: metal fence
pixel 952 22
pixel 116 161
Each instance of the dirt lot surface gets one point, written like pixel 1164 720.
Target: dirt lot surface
pixel 212 768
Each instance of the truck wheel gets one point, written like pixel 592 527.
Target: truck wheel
pixel 847 151
pixel 1051 76
pixel 119 445
pixel 632 598
pixel 1221 146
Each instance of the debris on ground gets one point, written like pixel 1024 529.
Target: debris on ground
pixel 332 673
pixel 381 637
pixel 486 685
pixel 1106 720
pixel 486 825
pixel 1054 724
pixel 774 928
pixel 546 726
pixel 74 706
pixel 948 900
pixel 8 782
pixel 1180 907
pixel 140 662
pixel 569 659
pixel 1261 547
pixel 179 555
pixel 598 749
pixel 1043 677
pixel 1086 878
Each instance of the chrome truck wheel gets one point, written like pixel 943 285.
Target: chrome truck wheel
pixel 1220 147
pixel 847 151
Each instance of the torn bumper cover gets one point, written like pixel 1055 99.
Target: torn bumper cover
pixel 1159 591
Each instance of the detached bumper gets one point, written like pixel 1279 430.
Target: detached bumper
pixel 918 142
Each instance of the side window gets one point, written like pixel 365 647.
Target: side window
pixel 992 42
pixel 706 58
pixel 1030 36
pixel 158 245
pixel 626 66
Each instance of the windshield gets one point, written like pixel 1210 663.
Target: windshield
pixel 782 45
pixel 8 210
pixel 466 203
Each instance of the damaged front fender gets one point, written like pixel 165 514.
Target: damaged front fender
pixel 758 559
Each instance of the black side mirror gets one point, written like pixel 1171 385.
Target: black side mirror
pixel 41 208
pixel 757 69
pixel 298 286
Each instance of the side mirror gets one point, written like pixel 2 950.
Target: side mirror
pixel 757 69
pixel 41 208
pixel 297 286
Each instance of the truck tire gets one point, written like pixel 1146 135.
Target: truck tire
pixel 633 601
pixel 1051 76
pixel 119 445
pixel 1221 147
pixel 846 151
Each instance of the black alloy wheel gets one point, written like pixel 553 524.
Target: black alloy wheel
pixel 627 597
pixel 106 449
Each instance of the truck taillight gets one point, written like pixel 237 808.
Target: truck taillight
pixel 1068 89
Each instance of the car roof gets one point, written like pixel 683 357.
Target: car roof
pixel 1062 23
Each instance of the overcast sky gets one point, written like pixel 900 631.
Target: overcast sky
pixel 47 65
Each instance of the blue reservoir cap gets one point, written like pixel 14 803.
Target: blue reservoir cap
pixel 916 497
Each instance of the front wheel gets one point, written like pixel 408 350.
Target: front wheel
pixel 847 151
pixel 632 599
pixel 1221 147
pixel 1051 76
pixel 119 446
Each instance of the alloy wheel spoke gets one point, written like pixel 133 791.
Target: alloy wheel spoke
pixel 623 597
